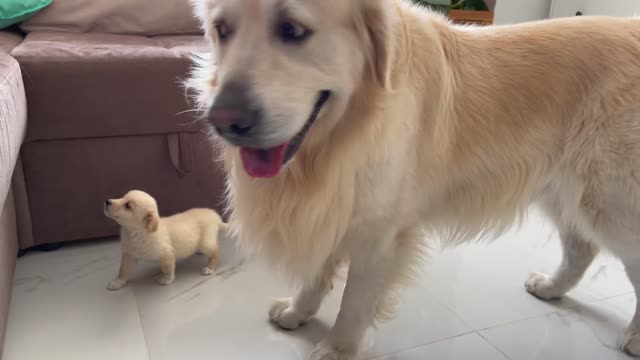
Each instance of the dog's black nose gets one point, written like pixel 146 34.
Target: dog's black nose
pixel 107 203
pixel 230 121
pixel 234 113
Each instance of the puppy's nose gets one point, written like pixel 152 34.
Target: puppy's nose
pixel 107 203
pixel 234 112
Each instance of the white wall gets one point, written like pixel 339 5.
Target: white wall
pixel 562 8
pixel 516 11
pixel 612 7
pixel 566 8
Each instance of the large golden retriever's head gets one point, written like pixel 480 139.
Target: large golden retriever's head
pixel 283 71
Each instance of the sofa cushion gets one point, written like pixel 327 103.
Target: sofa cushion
pixel 183 46
pixel 137 17
pixel 99 85
pixel 9 40
pixel 13 119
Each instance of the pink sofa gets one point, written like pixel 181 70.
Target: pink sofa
pixel 106 114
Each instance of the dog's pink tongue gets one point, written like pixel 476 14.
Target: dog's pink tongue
pixel 263 163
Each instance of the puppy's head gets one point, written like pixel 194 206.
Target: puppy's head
pixel 136 210
pixel 284 71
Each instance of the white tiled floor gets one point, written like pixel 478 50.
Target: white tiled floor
pixel 469 305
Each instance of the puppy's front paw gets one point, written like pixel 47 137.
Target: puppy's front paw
pixel 284 315
pixel 631 342
pixel 542 286
pixel 116 284
pixel 327 350
pixel 206 271
pixel 165 279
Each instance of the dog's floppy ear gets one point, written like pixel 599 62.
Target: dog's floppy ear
pixel 377 22
pixel 151 222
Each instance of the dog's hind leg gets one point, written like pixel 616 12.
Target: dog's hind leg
pixel 618 228
pixel 209 248
pixel 577 255
pixel 609 212
pixel 578 252
pixel 290 313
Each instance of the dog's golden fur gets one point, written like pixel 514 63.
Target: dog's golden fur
pixel 449 129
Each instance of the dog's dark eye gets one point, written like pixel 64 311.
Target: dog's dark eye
pixel 127 205
pixel 292 32
pixel 223 30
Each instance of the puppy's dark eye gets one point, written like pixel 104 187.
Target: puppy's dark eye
pixel 127 205
pixel 292 32
pixel 223 30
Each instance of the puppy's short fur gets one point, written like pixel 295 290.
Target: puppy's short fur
pixel 428 126
pixel 147 236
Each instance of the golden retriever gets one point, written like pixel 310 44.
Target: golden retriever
pixel 146 236
pixel 351 128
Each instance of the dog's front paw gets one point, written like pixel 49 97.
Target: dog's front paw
pixel 206 271
pixel 284 315
pixel 116 284
pixel 631 342
pixel 165 279
pixel 327 350
pixel 542 286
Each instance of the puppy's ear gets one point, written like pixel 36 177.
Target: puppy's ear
pixel 151 222
pixel 378 18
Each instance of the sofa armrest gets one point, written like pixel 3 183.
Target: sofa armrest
pixel 13 119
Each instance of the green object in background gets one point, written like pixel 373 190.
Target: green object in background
pixel 15 11
pixel 446 5
pixel 457 6
pixel 441 6
pixel 478 5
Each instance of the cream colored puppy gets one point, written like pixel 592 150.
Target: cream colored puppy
pixel 146 236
